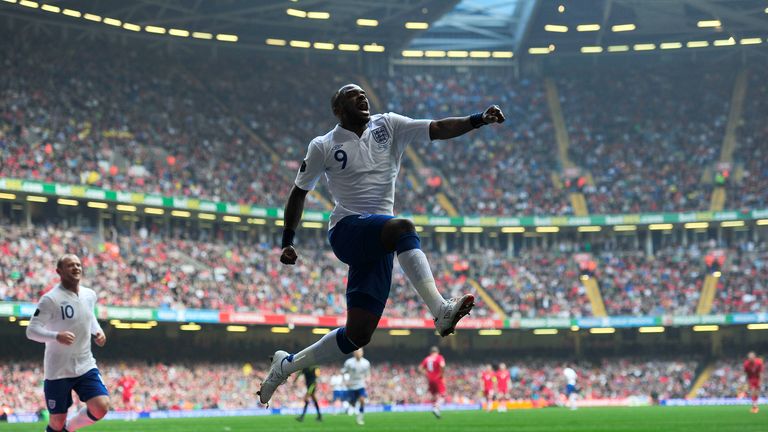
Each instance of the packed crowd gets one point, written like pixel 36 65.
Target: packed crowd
pixel 729 380
pixel 186 386
pixel 147 270
pixel 128 121
pixel 746 184
pixel 668 282
pixel 743 286
pixel 646 137
pixel 500 170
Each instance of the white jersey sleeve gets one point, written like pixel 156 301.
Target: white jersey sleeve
pixel 312 167
pixel 407 130
pixel 36 330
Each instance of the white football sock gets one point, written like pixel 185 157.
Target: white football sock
pixel 80 420
pixel 416 267
pixel 322 351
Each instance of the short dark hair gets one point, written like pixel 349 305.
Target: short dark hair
pixel 61 259
pixel 336 98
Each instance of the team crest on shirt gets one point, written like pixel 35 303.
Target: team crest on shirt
pixel 51 404
pixel 381 136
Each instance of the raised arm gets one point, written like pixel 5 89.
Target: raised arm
pixel 293 211
pixel 451 127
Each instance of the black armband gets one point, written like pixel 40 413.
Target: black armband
pixel 288 235
pixel 476 120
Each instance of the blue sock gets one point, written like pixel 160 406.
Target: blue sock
pixel 408 241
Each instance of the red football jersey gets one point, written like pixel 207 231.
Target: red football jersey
pixel 127 383
pixel 753 368
pixel 488 378
pixel 502 380
pixel 434 365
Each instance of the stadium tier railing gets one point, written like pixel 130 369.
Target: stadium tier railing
pixel 212 210
pixel 151 316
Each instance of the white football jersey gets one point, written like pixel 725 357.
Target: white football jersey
pixel 361 171
pixel 62 310
pixel 358 370
pixel 570 376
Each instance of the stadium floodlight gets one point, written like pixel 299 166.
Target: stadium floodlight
pixel 458 54
pixel 279 222
pixel 232 219
pixel 12 318
pixel 321 331
pixel 7 196
pixel 373 48
pixel 10 1
pixel 154 29
pixel 126 208
pixel 35 198
pixel 24 323
pixel 472 230
pixel 113 22
pixel 178 32
pixel 697 44
pixel 206 216
pixel 762 222
pixel 618 48
pixel 654 329
pixel 480 54
pixel 319 15
pixel 732 224
pixel 419 228
pixel 280 330
pixel 554 28
pixel 257 221
pixel 503 54
pixel 416 25
pixel 190 327
pixel 202 35
pixel 587 27
pixel 367 22
pixel 314 225
pixel 276 42
pixel 434 53
pixel 29 4
pixel 92 17
pixel 709 23
pixel 399 332
pixel 446 229
pixel 696 225
pixel 757 326
pixel 539 50
pixel 67 202
pixel 589 228
pixel 141 326
pixel 97 205
pixel 602 330
pixel 154 211
pixel 181 213
pixel 512 230
pixel 725 42
pixel 750 41
pixel 298 13
pixel 546 331
pixel 660 226
pixel 323 45
pixel 299 44
pixel 644 47
pixel 547 229
pixel 237 328
pixel 348 47
pixel 706 328
pixel 226 37
pixel 71 12
pixel 623 28
pixel 132 27
pixel 489 332
pixel 670 45
pixel 50 8
pixel 591 49
pixel 574 328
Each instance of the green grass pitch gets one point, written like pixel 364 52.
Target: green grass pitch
pixel 643 419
